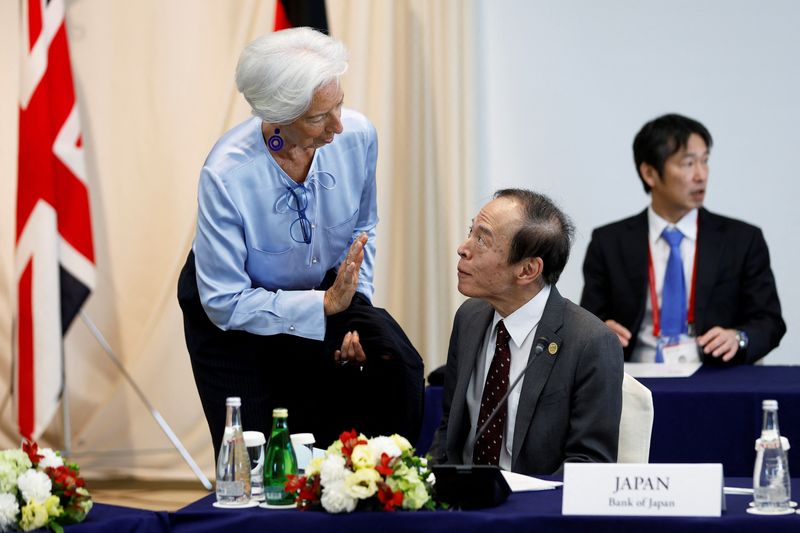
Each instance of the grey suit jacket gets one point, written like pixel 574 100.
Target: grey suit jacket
pixel 570 402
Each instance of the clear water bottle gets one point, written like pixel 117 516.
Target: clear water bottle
pixel 280 460
pixel 233 463
pixel 771 488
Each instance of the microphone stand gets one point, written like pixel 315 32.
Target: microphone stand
pixel 475 486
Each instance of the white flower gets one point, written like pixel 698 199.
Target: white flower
pixel 431 479
pixel 34 485
pixel 12 464
pixel 332 470
pixel 335 499
pixel 51 458
pixel 9 509
pixel 8 477
pixel 387 445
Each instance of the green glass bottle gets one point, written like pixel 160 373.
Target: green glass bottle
pixel 280 460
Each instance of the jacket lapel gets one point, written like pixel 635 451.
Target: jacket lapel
pixel 539 372
pixel 473 330
pixel 635 247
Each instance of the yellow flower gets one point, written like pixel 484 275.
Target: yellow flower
pixel 335 448
pixel 53 506
pixel 362 457
pixel 362 484
pixel 401 442
pixel 313 467
pixel 34 516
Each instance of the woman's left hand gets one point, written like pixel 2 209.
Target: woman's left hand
pixel 351 349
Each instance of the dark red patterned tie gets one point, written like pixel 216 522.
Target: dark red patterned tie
pixel 488 445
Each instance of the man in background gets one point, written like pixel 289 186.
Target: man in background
pixel 677 282
pixel 567 407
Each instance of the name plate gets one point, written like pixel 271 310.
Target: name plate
pixel 643 489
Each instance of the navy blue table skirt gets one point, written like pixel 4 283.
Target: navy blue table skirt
pixel 713 416
pixel 528 511
pixel 116 519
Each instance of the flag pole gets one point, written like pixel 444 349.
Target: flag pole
pixel 153 411
pixel 67 425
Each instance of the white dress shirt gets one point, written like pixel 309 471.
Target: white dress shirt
pixel 521 326
pixel 645 351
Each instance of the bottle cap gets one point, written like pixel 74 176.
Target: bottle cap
pixel 280 412
pixel 234 401
pixel 770 405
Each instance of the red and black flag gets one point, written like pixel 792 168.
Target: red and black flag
pixel 297 13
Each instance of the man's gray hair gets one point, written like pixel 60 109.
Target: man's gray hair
pixel 279 72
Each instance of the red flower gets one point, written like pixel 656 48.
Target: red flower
pixel 32 449
pixel 310 493
pixel 347 436
pixel 307 490
pixel 65 480
pixel 385 468
pixel 294 483
pixel 349 441
pixel 389 499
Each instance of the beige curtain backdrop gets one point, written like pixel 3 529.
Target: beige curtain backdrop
pixel 155 84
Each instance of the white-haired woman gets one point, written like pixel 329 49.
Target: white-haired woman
pixel 285 198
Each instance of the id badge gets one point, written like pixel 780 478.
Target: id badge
pixel 679 349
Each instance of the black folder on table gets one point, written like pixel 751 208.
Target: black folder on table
pixel 470 486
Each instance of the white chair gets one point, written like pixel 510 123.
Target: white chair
pixel 636 422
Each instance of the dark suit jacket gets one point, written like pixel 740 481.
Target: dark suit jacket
pixel 735 287
pixel 394 373
pixel 570 403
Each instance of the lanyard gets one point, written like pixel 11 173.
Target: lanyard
pixel 654 294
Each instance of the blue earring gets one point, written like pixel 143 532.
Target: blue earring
pixel 275 142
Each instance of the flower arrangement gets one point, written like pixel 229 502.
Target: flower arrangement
pixel 381 473
pixel 38 490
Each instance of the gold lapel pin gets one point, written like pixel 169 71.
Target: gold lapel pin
pixel 552 348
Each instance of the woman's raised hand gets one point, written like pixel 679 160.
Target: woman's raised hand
pixel 338 296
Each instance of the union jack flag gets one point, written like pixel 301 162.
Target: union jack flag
pixel 54 262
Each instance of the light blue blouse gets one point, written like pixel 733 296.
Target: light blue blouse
pixel 251 274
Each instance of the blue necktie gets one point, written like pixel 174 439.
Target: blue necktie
pixel 673 293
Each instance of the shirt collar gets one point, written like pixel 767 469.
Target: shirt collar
pixel 521 322
pixel 687 225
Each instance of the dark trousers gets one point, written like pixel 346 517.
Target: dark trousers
pixel 265 371
pixel 383 397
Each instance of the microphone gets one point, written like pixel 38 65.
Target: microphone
pixel 541 342
pixel 476 486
